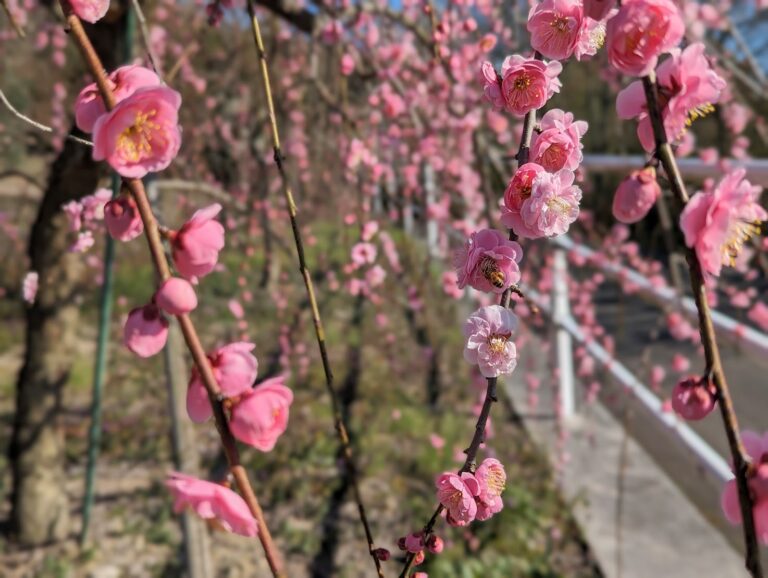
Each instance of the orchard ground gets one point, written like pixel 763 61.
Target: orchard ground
pixel 385 375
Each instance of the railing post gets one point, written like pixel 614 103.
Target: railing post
pixel 561 310
pixel 432 231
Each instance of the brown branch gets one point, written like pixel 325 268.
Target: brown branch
pixel 490 392
pixel 154 241
pixel 714 367
pixel 338 419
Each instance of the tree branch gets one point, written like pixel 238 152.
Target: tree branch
pixel 714 367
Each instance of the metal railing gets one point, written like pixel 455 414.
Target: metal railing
pixel 567 330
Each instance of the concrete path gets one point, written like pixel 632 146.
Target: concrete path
pixel 637 521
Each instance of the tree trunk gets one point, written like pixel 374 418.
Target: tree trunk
pixel 40 507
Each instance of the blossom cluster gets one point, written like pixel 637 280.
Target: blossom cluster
pixel 137 134
pixel 717 223
pixel 472 496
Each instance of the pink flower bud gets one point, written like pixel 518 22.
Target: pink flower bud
pixel 401 543
pixel 418 559
pixel 414 542
pixel 145 331
pixel 122 219
pixel 382 554
pixel 636 195
pixel 693 399
pixel 435 544
pixel 90 10
pixel 197 244
pixel 176 296
pixel 261 415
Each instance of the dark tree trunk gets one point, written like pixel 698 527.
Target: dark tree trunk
pixel 40 507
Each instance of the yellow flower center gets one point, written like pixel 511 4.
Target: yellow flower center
pixel 497 343
pixel 135 142
pixel 559 206
pixel 522 82
pixel 496 482
pixel 699 112
pixel 560 24
pixel 738 233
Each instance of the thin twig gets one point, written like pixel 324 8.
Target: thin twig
pixel 136 187
pixel 714 367
pixel 146 40
pixel 38 125
pixel 338 419
pixel 183 57
pixel 490 392
pixel 15 25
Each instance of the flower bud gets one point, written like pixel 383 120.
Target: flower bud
pixel 176 296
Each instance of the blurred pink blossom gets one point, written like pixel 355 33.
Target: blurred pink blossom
pixel 260 417
pixel 212 501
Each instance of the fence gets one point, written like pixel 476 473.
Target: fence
pixel 567 330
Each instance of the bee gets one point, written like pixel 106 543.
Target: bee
pixel 491 271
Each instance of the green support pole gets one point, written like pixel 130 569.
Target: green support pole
pixel 105 318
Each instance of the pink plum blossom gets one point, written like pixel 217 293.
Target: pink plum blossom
pixel 640 32
pixel 90 10
pixel 260 417
pixel 488 262
pixel 212 502
pixel 759 315
pixel 693 398
pixel 141 134
pixel 526 83
pixel 680 363
pixel 235 370
pixel 540 204
pixel 121 216
pixel 555 27
pixel 124 81
pixel 176 296
pixel 558 146
pixel 74 212
pixel 435 544
pixel 363 254
pixel 488 332
pixel 146 331
pixel 636 195
pixel 492 480
pixel 688 87
pixel 414 542
pixel 197 244
pixel 718 223
pixel 591 38
pixel 553 205
pixel 518 192
pixel 457 495
pixel 29 287
pixel 451 285
pixel 491 85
